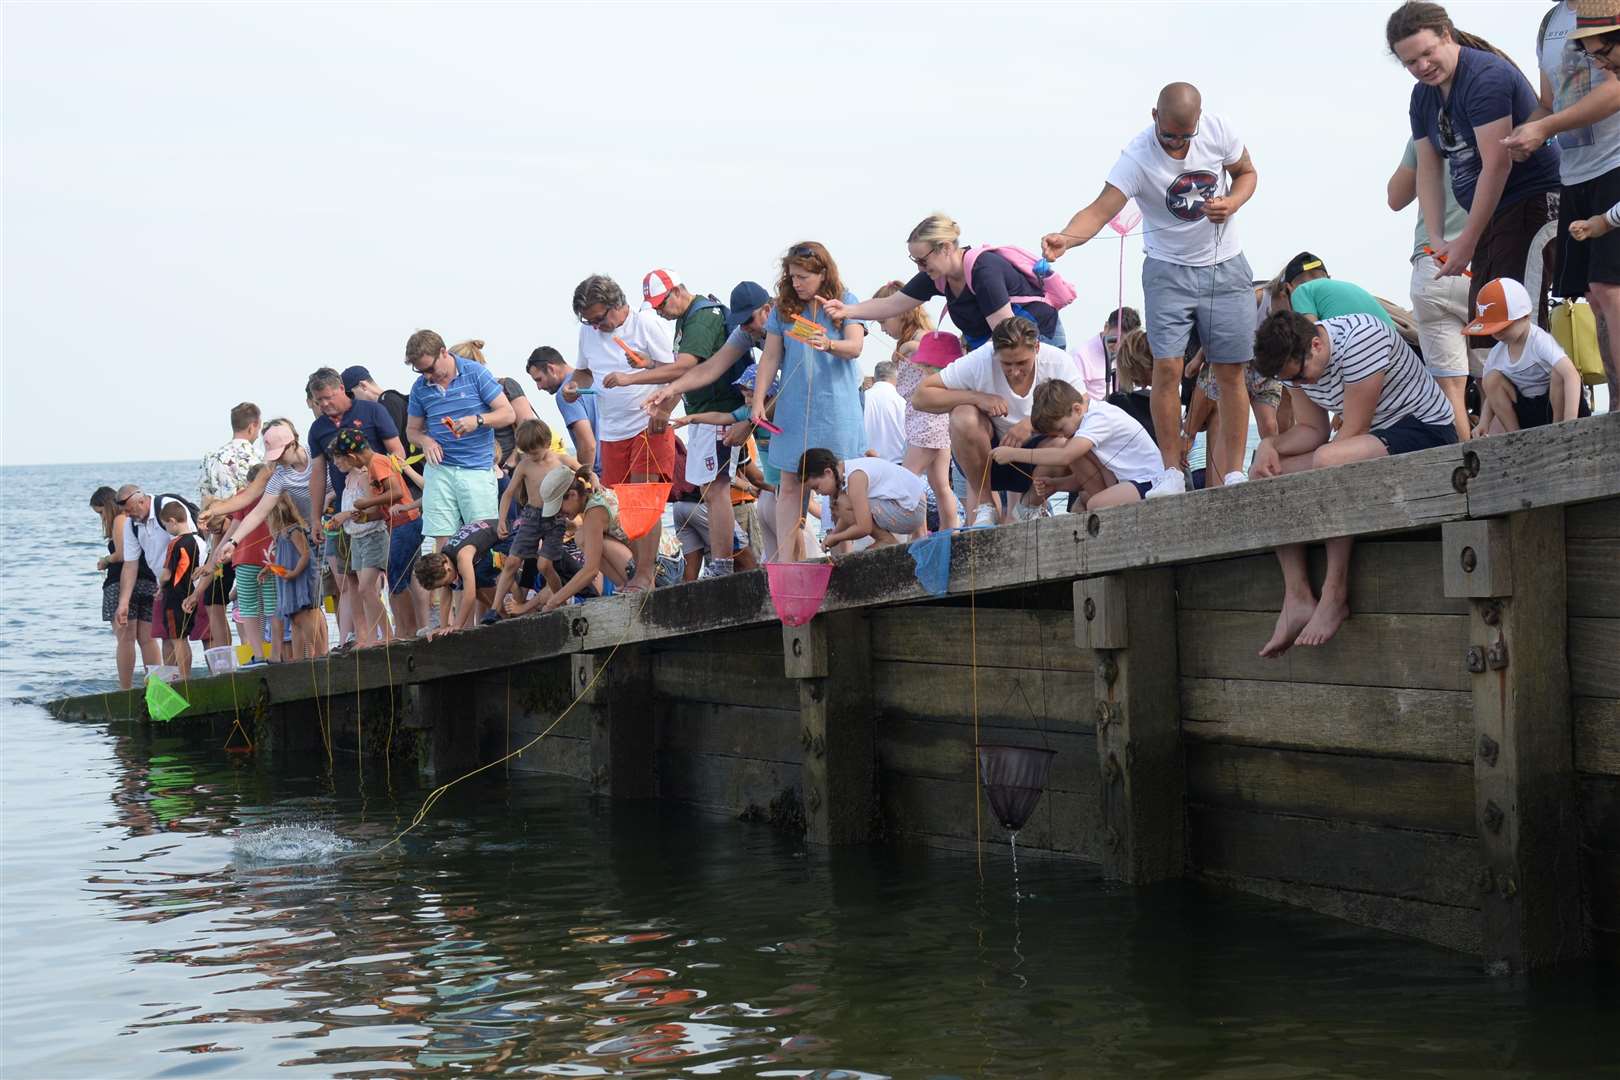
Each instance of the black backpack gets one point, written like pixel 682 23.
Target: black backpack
pixel 157 505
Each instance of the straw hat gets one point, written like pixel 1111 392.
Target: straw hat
pixel 1593 17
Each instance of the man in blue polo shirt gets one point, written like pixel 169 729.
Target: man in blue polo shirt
pixel 455 405
pixel 549 371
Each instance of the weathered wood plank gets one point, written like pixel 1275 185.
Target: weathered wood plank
pixel 556 755
pixel 1602 873
pixel 920 807
pixel 721 679
pixel 839 718
pixel 1597 735
pixel 1570 462
pixel 1437 796
pixel 1599 519
pixel 731 731
pixel 728 784
pixel 1010 697
pixel 1430 725
pixel 1599 801
pixel 1454 927
pixel 944 751
pixel 1392 577
pixel 1417 651
pixel 1594 658
pixel 1594 577
pixel 1404 863
pixel 1005 638
pixel 749 641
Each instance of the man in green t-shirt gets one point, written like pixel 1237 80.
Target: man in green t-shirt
pixel 700 331
pixel 1306 287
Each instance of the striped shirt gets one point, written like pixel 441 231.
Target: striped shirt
pixel 1362 347
pixel 294 482
pixel 1613 216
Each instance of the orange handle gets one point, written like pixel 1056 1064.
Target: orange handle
pixel 1441 259
pixel 635 358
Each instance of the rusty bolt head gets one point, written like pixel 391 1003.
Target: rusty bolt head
pixel 1496 657
pixel 1108 668
pixel 1459 480
pixel 1492 613
pixel 1093 525
pixel 1493 817
pixel 798 646
pixel 1489 749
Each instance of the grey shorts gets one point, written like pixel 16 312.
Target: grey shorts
pixel 368 551
pixel 537 533
pixel 892 517
pixel 1218 300
pixel 692 529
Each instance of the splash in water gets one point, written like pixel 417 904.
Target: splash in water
pixel 289 844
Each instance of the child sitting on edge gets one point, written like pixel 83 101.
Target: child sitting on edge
pixel 1528 382
pixel 1093 448
pixel 372 492
pixel 535 532
pixel 877 498
pixel 181 626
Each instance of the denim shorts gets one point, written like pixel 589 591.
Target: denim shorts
pixel 1216 300
pixel 404 544
pixel 368 550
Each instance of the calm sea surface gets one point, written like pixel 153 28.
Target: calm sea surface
pixel 167 910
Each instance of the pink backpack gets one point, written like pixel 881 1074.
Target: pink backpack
pixel 1057 293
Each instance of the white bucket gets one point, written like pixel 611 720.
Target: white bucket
pixel 167 672
pixel 220 660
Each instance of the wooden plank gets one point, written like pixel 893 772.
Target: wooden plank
pixel 1599 800
pixel 1006 638
pixel 1429 725
pixel 1453 927
pixel 1594 577
pixel 728 784
pixel 838 717
pixel 1390 577
pixel 1011 697
pixel 920 807
pixel 731 731
pixel 1593 520
pixel 556 755
pixel 624 728
pixel 1437 796
pixel 1435 867
pixel 749 641
pixel 721 679
pixel 1564 463
pixel 1602 874
pixel 944 751
pixel 1420 651
pixel 1597 735
pixel 1594 658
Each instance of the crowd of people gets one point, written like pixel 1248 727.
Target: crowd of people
pixel 457 488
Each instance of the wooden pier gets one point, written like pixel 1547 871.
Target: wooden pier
pixel 1448 767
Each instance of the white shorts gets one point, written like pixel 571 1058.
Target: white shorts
pixel 1440 306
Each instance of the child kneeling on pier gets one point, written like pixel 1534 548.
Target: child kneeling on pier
pixel 1529 382
pixel 1093 448
pixel 873 497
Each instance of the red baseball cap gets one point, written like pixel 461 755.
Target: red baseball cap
pixel 658 284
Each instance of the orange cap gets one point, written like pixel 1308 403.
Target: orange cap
pixel 1501 302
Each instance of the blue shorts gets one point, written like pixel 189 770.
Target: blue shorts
pixel 1014 478
pixel 1409 434
pixel 404 545
pixel 1216 300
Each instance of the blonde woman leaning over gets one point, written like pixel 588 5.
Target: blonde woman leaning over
pixel 928 435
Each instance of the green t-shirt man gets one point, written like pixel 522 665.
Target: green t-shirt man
pixel 700 332
pixel 1326 297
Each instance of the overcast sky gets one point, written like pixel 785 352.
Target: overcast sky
pixel 204 203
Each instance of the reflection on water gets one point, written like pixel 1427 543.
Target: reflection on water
pixel 165 902
pixel 169 910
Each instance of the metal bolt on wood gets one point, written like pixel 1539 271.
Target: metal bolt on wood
pixel 1492 613
pixel 1468 559
pixel 1496 657
pixel 1108 668
pixel 1493 817
pixel 1090 609
pixel 1475 660
pixel 1489 749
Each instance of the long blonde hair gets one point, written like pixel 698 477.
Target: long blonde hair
pixel 913 324
pixel 471 349
pixel 284 515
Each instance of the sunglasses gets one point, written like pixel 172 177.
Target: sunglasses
pixel 923 259
pixel 595 323
pixel 1168 137
pixel 122 503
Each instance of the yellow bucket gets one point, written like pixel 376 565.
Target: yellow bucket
pixel 244 653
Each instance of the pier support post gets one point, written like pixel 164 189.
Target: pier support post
pixel 831 658
pixel 624 721
pixel 1512 570
pixel 442 712
pixel 1129 621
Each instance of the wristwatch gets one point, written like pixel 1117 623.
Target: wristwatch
pixel 480 419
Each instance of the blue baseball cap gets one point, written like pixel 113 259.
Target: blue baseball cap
pixel 750 375
pixel 353 377
pixel 747 298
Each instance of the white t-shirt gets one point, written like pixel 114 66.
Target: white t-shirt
pixel 1122 445
pixel 1585 153
pixel 618 410
pixel 886 480
pixel 355 485
pixel 886 421
pixel 979 373
pixel 1532 372
pixel 1171 192
pixel 152 539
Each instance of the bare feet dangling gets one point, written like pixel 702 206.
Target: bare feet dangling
pixel 1329 616
pixel 1291 621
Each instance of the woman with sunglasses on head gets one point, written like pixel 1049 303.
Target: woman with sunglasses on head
pixel 819 403
pixel 998 290
pixel 1189 173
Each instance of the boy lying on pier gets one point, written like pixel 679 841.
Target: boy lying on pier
pixel 874 497
pixel 536 533
pixel 1359 367
pixel 1093 448
pixel 1529 381
pixel 457 564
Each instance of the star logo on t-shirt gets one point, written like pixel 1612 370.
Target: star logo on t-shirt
pixel 1187 193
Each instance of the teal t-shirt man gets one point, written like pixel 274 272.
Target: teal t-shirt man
pixel 1324 298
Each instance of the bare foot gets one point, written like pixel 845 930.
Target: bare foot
pixel 1291 621
pixel 1329 616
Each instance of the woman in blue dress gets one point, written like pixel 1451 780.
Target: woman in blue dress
pixel 819 403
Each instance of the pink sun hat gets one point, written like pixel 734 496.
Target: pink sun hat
pixel 937 349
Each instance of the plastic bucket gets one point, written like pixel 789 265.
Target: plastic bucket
pixel 167 672
pixel 641 506
pixel 797 589
pixel 244 654
pixel 220 660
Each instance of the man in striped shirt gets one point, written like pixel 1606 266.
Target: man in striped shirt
pixel 1359 367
